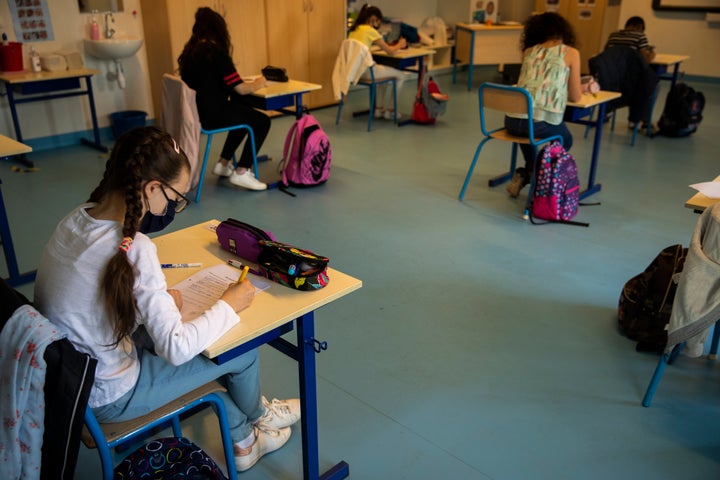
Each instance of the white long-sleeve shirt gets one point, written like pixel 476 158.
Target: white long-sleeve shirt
pixel 67 292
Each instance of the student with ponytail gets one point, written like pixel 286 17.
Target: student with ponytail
pixel 100 281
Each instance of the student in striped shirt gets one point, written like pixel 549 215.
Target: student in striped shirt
pixel 633 35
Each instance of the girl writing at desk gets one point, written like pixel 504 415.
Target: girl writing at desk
pixel 364 30
pixel 100 280
pixel 551 73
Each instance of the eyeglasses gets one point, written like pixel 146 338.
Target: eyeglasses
pixel 180 203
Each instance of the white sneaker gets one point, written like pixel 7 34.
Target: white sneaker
pixel 266 441
pixel 247 180
pixel 379 113
pixel 279 413
pixel 223 170
pixel 389 115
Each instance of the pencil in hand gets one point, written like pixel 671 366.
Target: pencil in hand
pixel 243 274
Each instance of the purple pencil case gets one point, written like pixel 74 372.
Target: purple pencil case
pixel 242 239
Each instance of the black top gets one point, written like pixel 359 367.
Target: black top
pixel 211 73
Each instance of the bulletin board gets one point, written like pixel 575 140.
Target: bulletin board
pixel 687 5
pixel 31 20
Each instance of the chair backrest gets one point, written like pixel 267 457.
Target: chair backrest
pixel 353 59
pixel 506 99
pixel 180 119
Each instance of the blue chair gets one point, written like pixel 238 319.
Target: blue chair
pixel 346 58
pixel 668 358
pixel 505 99
pixel 106 436
pixel 208 145
pixel 180 99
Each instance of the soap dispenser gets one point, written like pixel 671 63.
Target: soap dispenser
pixel 94 27
pixel 35 60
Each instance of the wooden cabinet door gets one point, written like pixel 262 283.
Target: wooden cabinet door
pixel 287 36
pixel 326 31
pixel 246 22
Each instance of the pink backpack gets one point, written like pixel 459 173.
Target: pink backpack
pixel 307 154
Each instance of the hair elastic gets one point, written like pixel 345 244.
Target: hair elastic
pixel 125 244
pixel 175 146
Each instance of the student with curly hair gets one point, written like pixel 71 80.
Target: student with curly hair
pixel 100 281
pixel 550 71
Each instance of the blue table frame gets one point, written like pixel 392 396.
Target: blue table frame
pixel 278 96
pixel 36 87
pixel 582 113
pixel 273 314
pixel 411 59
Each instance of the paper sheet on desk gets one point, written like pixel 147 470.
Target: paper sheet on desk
pixel 201 290
pixel 709 189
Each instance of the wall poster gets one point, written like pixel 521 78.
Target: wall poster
pixel 31 20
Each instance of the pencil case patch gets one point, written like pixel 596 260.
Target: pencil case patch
pixel 241 238
pixel 292 266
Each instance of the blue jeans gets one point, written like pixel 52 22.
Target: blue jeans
pixel 519 127
pixel 160 383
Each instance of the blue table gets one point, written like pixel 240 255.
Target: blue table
pixel 279 96
pixel 9 148
pixel 273 313
pixel 42 86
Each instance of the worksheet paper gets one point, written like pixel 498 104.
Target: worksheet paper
pixel 709 189
pixel 201 290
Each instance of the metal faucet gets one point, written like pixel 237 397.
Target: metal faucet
pixel 109 32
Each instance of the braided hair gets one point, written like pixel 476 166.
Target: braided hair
pixel 139 156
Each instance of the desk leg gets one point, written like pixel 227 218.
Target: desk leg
pixel 421 73
pixel 16 124
pixel 308 396
pixel 298 106
pixel 96 130
pixel 471 59
pixel 592 187
pixel 15 277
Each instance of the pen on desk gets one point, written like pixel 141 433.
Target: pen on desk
pixel 235 263
pixel 181 265
pixel 243 274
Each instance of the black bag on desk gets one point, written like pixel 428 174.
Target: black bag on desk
pixel 292 266
pixel 275 74
pixel 646 300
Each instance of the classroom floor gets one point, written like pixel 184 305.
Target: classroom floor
pixel 480 346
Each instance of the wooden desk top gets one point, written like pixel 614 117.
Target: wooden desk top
pixel 27 76
pixel 700 201
pixel 668 59
pixel 291 87
pixel 411 52
pixel 482 26
pixel 9 147
pixel 589 100
pixel 271 308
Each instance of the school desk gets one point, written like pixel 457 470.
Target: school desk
pixel 580 112
pixel 480 44
pixel 661 64
pixel 271 314
pixel 279 96
pixel 9 148
pixel 411 58
pixel 42 86
pixel 700 201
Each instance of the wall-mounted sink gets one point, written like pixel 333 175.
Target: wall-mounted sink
pixel 113 48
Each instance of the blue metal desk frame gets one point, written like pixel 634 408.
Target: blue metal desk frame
pixel 34 88
pixel 304 353
pixel 403 63
pixel 15 277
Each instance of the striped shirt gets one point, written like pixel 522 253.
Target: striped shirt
pixel 629 38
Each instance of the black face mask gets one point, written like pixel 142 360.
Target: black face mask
pixel 151 223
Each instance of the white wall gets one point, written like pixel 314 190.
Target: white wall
pixel 684 33
pixel 69 115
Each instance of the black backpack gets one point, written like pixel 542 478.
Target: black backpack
pixel 646 300
pixel 682 112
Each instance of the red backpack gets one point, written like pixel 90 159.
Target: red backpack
pixel 307 154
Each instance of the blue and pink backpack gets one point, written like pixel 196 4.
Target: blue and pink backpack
pixel 556 194
pixel 307 154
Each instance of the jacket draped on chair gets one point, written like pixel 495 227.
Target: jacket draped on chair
pixel 623 69
pixel 352 61
pixel 697 299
